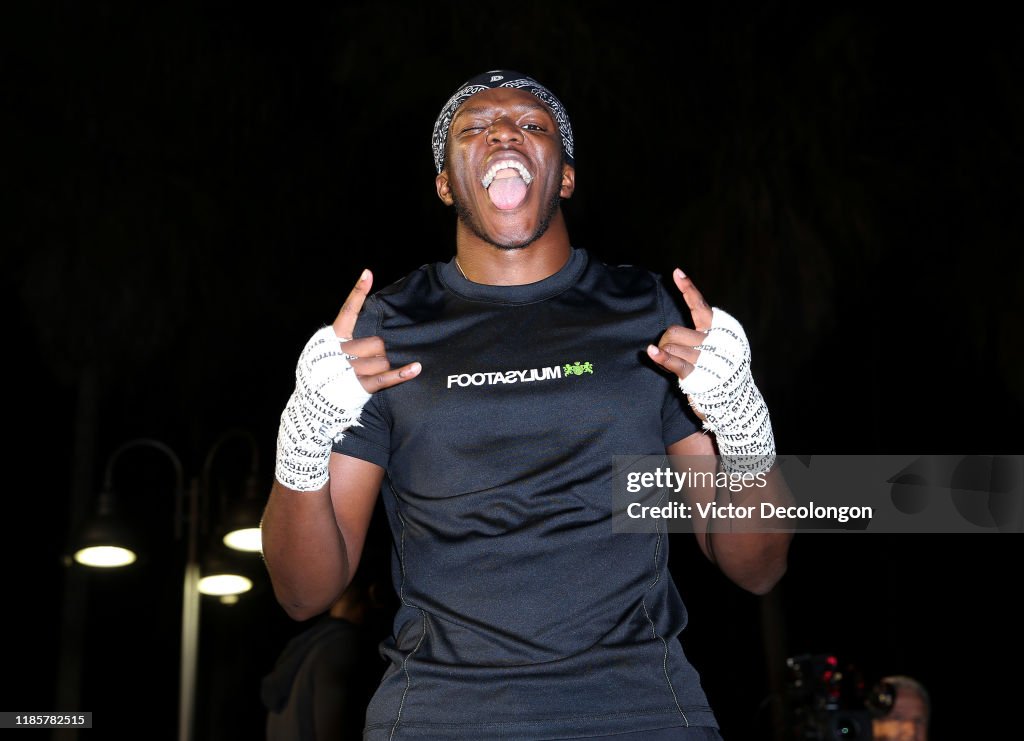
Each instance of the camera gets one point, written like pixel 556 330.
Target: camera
pixel 828 701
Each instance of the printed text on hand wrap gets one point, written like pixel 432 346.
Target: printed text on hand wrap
pixel 722 390
pixel 327 400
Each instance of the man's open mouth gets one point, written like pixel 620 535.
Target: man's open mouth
pixel 506 182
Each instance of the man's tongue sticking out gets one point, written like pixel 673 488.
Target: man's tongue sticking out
pixel 508 189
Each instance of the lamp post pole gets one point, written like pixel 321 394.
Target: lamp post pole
pixel 189 620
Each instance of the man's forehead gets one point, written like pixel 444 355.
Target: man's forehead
pixel 908 704
pixel 487 100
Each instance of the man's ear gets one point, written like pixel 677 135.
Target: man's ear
pixel 568 181
pixel 444 188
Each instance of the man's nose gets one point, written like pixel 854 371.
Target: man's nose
pixel 502 131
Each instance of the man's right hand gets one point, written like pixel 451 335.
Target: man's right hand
pixel 334 378
pixel 367 355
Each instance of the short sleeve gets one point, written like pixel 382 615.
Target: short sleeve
pixel 371 439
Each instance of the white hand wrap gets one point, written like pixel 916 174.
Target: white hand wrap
pixel 722 390
pixel 327 401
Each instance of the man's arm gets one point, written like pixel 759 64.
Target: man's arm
pixel 714 371
pixel 313 540
pixel 320 504
pixel 756 559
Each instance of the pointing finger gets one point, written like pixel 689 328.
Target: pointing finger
pixel 699 309
pixel 345 323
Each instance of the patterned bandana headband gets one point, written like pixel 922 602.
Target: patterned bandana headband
pixel 487 81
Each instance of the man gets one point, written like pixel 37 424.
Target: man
pixel 908 718
pixel 485 398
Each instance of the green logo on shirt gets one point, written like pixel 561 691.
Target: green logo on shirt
pixel 577 368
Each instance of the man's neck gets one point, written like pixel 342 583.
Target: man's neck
pixel 482 262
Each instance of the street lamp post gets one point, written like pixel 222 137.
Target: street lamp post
pixel 101 546
pixel 189 620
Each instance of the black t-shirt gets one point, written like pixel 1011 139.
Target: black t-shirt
pixel 522 615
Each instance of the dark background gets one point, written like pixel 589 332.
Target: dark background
pixel 192 188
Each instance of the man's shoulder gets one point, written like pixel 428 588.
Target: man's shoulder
pixel 628 271
pixel 414 283
pixel 631 287
pixel 409 299
pixel 624 276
